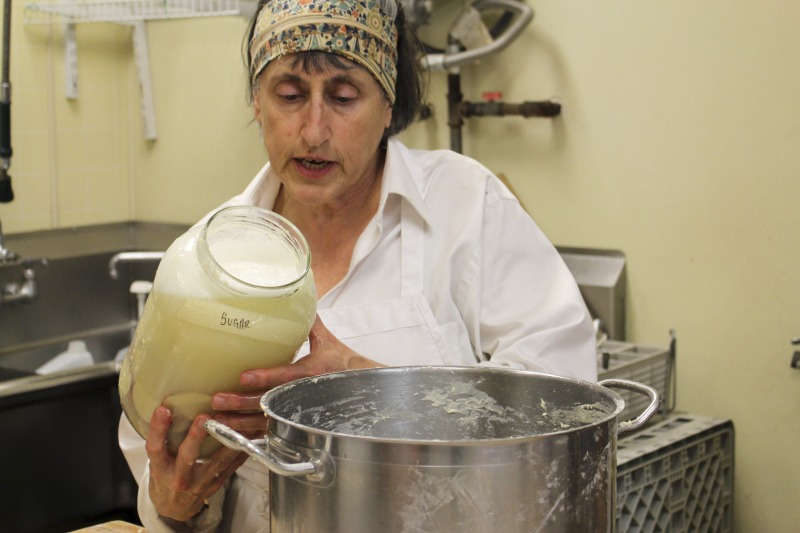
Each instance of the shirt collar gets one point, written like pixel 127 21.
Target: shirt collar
pixel 402 176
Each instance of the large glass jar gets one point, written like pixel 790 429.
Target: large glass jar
pixel 234 294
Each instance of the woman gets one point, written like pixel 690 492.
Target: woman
pixel 419 257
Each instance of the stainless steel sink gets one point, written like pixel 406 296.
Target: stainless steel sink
pixel 103 343
pixel 65 423
pixel 77 299
pixel 18 371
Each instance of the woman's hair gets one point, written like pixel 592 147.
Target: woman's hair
pixel 411 74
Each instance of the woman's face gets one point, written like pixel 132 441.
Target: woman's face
pixel 322 129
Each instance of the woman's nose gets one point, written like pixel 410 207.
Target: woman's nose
pixel 316 128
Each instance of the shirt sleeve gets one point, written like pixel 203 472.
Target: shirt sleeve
pixel 531 313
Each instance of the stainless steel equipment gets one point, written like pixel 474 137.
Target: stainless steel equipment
pixel 445 449
pixel 600 275
pixel 127 257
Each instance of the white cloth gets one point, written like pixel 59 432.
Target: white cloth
pixel 450 271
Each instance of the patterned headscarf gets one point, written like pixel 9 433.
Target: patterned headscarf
pixel 356 29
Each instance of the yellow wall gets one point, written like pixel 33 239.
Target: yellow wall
pixel 677 145
pixel 71 162
pixel 208 148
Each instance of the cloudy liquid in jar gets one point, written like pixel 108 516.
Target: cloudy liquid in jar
pixel 194 339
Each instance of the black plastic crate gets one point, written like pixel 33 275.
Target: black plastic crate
pixel 677 476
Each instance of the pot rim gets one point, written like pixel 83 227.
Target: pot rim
pixel 611 396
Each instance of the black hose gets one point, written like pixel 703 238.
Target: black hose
pixel 6 192
pixel 5 130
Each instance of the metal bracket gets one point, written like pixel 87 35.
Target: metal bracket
pixel 142 58
pixel 132 12
pixel 70 62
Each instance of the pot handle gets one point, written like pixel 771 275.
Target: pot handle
pixel 639 421
pixel 318 469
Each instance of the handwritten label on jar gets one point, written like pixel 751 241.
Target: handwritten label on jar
pixel 216 315
pixel 236 323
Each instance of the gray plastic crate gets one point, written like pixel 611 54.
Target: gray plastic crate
pixel 677 477
pixel 649 365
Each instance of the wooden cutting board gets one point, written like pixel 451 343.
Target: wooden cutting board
pixel 117 526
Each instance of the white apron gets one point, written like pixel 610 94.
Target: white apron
pixel 397 332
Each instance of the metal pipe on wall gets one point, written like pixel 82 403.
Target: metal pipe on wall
pixel 515 17
pixel 458 109
pixel 455 118
pixel 453 59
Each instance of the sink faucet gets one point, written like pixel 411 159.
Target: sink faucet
pixel 131 257
pixel 25 292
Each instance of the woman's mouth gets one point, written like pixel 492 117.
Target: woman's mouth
pixel 313 164
pixel 311 168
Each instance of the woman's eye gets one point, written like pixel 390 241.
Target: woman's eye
pixel 343 99
pixel 289 97
pixel 343 94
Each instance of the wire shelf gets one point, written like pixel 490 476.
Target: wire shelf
pixel 70 11
pixel 649 365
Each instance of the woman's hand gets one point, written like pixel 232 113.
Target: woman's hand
pixel 326 354
pixel 179 485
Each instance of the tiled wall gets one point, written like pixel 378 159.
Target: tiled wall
pixel 71 164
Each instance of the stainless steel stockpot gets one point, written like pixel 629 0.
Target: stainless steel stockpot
pixel 441 449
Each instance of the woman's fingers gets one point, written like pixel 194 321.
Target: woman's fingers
pixel 237 401
pixel 244 423
pixel 156 444
pixel 189 450
pixel 180 485
pixel 268 378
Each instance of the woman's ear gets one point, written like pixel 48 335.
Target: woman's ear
pixel 387 117
pixel 256 107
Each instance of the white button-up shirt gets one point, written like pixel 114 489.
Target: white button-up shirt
pixel 451 270
pixel 451 238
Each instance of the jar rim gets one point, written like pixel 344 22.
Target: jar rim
pixel 296 240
